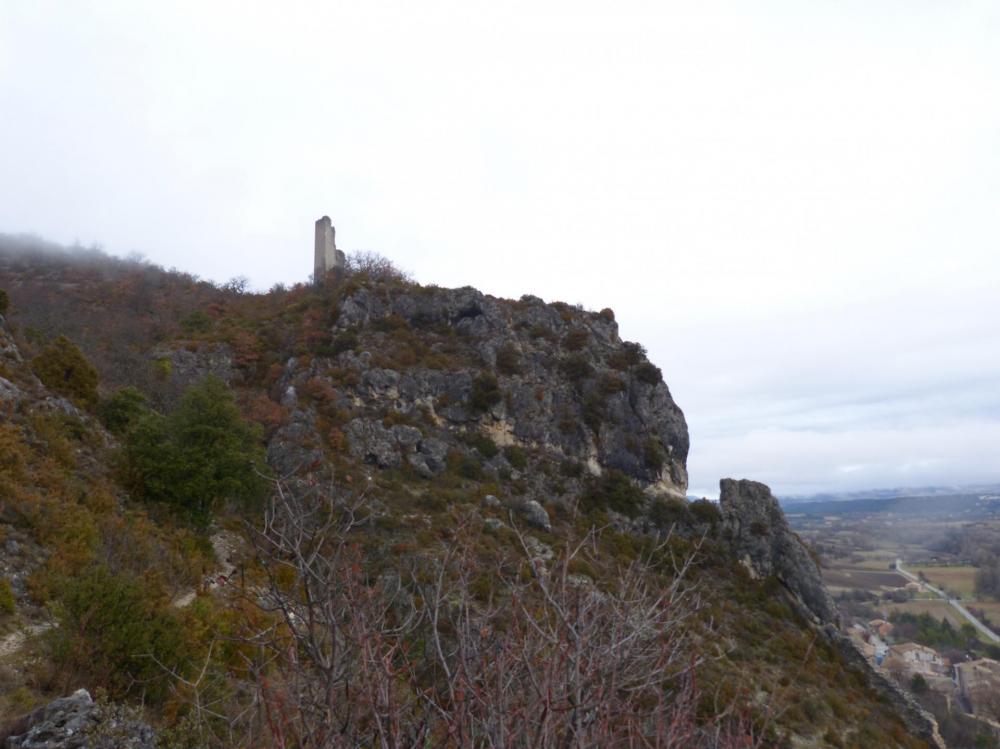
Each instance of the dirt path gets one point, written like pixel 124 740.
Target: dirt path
pixel 12 643
pixel 225 544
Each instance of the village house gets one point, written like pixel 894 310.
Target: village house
pixel 916 659
pixel 859 635
pixel 979 685
pixel 880 627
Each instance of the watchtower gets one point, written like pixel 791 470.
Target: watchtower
pixel 327 257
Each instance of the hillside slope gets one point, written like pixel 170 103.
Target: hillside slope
pixel 470 471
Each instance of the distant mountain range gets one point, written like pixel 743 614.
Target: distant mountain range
pixel 898 492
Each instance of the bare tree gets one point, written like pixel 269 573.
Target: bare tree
pixel 426 656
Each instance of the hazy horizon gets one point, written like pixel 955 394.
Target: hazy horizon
pixel 793 207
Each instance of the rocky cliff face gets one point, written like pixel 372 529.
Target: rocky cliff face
pixel 766 546
pixel 447 362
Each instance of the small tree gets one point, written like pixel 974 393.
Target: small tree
pixel 111 626
pixel 4 302
pixel 485 393
pixel 64 369
pixel 123 409
pixel 197 457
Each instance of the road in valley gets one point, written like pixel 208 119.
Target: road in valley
pixel 955 603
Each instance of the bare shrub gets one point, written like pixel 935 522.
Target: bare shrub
pixel 535 656
pixel 376 267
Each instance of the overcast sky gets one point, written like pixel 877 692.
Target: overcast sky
pixel 793 205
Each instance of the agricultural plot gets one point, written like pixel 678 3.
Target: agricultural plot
pixel 990 608
pixel 865 579
pixel 936 608
pixel 878 560
pixel 960 579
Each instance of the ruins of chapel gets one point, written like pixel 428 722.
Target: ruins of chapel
pixel 328 257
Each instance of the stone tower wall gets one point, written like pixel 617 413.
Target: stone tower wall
pixel 327 256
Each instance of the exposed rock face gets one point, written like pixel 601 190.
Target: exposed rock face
pixel 386 446
pixel 77 722
pixel 188 367
pixel 527 373
pixel 763 542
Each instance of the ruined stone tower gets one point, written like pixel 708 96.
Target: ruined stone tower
pixel 328 257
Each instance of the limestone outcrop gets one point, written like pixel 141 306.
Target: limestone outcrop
pixel 456 361
pixel 763 542
pixel 77 722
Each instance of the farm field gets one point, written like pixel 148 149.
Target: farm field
pixel 875 580
pixel 880 559
pixel 936 608
pixel 992 610
pixel 960 579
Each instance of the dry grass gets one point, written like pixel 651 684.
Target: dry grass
pixel 960 579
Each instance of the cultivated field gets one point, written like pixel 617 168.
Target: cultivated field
pixel 992 610
pixel 937 608
pixel 874 580
pixel 959 579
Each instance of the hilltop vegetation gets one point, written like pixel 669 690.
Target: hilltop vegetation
pixel 458 521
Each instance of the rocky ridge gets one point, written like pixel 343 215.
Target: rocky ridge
pixel 411 380
pixel 758 533
pixel 760 538
pixel 448 364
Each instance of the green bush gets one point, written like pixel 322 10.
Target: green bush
pixel 197 457
pixel 123 409
pixel 111 632
pixel 4 302
pixel 667 512
pixel 627 356
pixel 610 384
pixel 705 511
pixel 576 368
pixel 483 443
pixel 465 466
pixel 613 491
pixel 6 598
pixel 571 469
pixel 653 455
pixel 508 360
pixel 648 373
pixel 516 456
pixel 346 341
pixel 485 393
pixel 197 322
pixel 576 339
pixel 594 411
pixel 65 370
